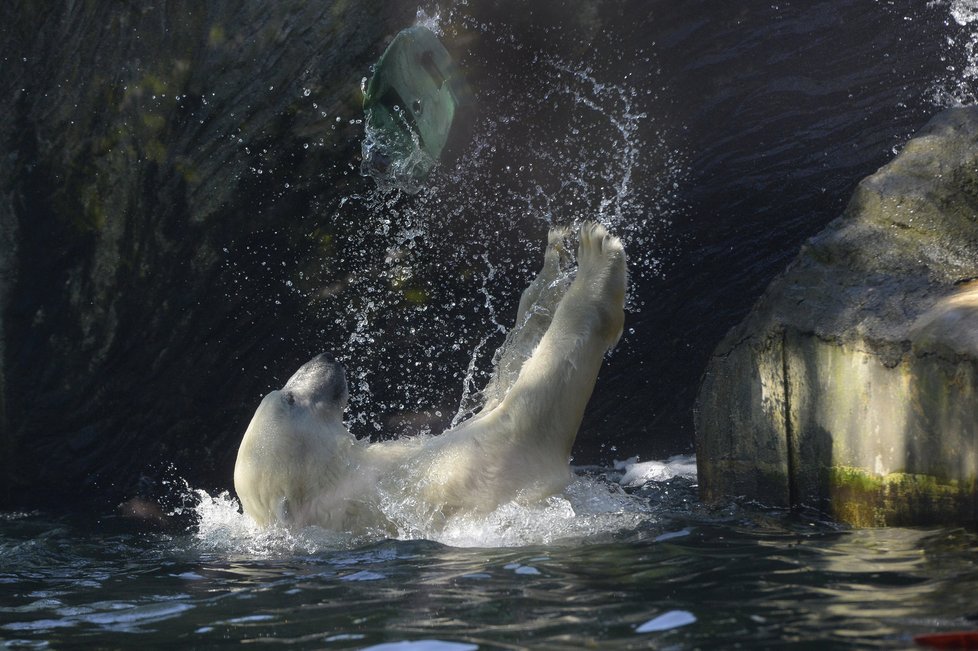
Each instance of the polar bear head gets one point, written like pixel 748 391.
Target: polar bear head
pixel 319 388
pixel 296 444
pixel 312 400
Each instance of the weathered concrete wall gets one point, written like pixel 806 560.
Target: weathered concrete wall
pixel 852 385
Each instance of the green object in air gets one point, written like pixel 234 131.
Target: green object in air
pixel 411 104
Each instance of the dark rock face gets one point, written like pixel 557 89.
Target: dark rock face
pixel 136 141
pixel 851 385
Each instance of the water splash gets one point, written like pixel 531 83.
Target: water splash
pixel 593 508
pixel 964 11
pixel 960 86
pixel 431 21
pixel 414 293
pixel 434 273
pixel 393 164
pixel 587 510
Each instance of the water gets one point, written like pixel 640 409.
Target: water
pixel 660 571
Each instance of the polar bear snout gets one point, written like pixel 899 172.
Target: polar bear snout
pixel 320 383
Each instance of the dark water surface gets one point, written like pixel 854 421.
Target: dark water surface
pixel 738 575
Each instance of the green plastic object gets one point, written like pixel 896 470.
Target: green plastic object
pixel 412 104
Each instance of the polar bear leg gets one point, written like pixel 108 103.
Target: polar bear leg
pixel 547 400
pixel 536 310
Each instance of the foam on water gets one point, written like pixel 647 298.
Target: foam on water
pixel 638 474
pixel 591 509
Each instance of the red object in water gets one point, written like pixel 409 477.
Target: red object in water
pixel 952 640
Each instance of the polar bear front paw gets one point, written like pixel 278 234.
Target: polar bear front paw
pixel 546 290
pixel 557 239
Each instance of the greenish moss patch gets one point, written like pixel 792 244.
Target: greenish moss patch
pixel 865 499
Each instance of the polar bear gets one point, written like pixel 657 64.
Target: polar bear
pixel 298 465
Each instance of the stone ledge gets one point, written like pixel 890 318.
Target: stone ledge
pixel 852 386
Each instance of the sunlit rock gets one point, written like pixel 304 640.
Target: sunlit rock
pixel 852 385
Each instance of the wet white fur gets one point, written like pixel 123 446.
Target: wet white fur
pixel 298 464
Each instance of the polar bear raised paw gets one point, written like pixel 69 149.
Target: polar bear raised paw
pixel 298 465
pixel 536 310
pixel 601 277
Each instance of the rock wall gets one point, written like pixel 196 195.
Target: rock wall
pixel 134 142
pixel 852 385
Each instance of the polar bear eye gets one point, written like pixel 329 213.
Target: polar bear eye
pixel 289 398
